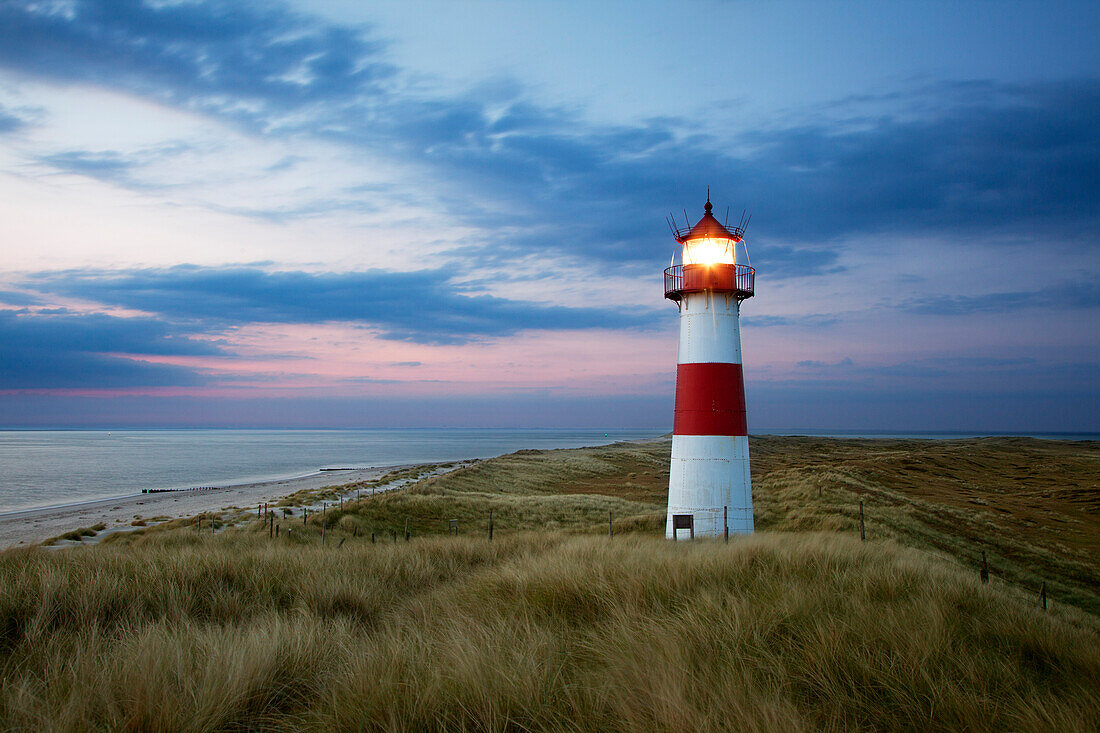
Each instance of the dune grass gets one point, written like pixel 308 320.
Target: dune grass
pixel 534 631
pixel 1032 505
pixel 76 535
pixel 554 626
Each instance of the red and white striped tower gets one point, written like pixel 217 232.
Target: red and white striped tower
pixel 709 477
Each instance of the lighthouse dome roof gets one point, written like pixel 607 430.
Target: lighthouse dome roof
pixel 708 228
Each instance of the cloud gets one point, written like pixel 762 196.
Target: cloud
pixel 12 297
pixel 812 364
pixel 10 120
pixel 105 166
pixel 425 307
pixel 112 166
pixel 1072 295
pixel 950 158
pixel 947 371
pixel 813 321
pixel 73 351
pixel 238 59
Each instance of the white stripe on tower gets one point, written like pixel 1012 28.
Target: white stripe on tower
pixel 710 446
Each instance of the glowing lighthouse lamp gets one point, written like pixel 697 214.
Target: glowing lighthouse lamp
pixel 709 489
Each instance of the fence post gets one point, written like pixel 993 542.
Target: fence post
pixel 726 523
pixel 1043 595
pixel 271 527
pixel 198 524
pixel 406 529
pixel 276 531
pixel 985 569
pixel 305 515
pixel 862 529
pixel 372 538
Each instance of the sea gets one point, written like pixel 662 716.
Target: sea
pixel 41 468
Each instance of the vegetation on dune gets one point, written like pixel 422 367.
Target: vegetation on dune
pixel 309 497
pixel 1031 505
pixel 799 627
pixel 538 631
pixel 76 535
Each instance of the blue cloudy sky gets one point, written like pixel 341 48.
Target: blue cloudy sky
pixel 451 213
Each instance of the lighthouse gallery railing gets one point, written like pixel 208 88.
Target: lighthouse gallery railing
pixel 735 278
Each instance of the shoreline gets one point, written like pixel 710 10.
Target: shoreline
pixel 185 490
pixel 27 527
pixel 33 525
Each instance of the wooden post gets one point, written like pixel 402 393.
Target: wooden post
pixel 276 531
pixel 985 569
pixel 610 527
pixel 372 538
pixel 271 527
pixel 305 514
pixel 726 522
pixel 490 525
pixel 1043 595
pixel 862 529
pixel 258 509
pixel 406 529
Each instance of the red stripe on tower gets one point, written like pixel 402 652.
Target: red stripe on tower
pixel 710 400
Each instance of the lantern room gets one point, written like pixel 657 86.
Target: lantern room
pixel 710 260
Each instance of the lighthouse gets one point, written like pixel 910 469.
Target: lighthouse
pixel 709 489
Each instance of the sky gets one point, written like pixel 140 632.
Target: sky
pixel 401 214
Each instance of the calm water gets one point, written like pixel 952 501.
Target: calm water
pixel 48 467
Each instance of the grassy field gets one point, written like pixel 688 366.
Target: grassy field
pixel 553 625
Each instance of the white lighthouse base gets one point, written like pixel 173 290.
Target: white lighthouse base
pixel 710 473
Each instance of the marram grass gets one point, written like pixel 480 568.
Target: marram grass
pixel 534 631
pixel 554 626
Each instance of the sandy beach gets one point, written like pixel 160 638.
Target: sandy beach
pixel 30 526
